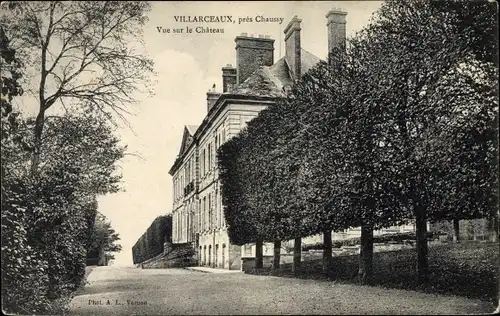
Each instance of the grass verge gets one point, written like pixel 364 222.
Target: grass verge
pixel 468 269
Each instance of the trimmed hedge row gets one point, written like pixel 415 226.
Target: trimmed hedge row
pixel 150 244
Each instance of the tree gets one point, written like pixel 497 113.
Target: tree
pixel 103 241
pixel 420 48
pixel 45 221
pixel 79 52
pixel 79 55
pixel 240 222
pixel 469 169
pixel 23 269
pixel 77 163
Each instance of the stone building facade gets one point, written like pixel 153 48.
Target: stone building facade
pixel 254 84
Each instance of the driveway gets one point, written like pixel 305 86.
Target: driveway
pixel 134 291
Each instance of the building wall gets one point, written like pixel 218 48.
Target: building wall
pixel 198 216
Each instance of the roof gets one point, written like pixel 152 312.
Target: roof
pixel 269 81
pixel 307 60
pixel 265 82
pixel 187 138
pixel 192 129
pixel 261 83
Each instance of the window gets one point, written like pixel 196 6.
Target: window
pixel 209 157
pixel 216 256
pixel 199 215
pixel 202 165
pixel 209 254
pixel 219 209
pixel 213 155
pixel 193 168
pixel 204 213
pixel 209 211
pixel 223 135
pixel 174 226
pixel 216 222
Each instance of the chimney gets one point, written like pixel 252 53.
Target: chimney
pixel 228 77
pixel 212 97
pixel 292 47
pixel 336 29
pixel 252 52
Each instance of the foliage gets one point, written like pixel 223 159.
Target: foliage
pixel 49 217
pixel 432 84
pixel 151 243
pixel 54 167
pixel 79 52
pixel 389 130
pixel 240 223
pixel 102 241
pixel 23 269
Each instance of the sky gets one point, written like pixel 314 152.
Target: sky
pixel 186 66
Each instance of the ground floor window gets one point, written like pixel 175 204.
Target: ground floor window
pixel 209 254
pixel 204 254
pixel 216 256
pixel 223 256
pixel 199 256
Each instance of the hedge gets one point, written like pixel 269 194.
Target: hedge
pixel 150 244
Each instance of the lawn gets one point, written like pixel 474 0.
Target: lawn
pixel 468 269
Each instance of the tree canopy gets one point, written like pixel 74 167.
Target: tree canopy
pixel 387 131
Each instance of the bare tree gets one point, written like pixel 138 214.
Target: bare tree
pixel 82 53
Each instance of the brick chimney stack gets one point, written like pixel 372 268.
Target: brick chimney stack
pixel 292 47
pixel 336 29
pixel 212 97
pixel 229 77
pixel 252 52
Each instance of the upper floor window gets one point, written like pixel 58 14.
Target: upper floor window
pixel 204 213
pixel 209 156
pixel 202 165
pixel 209 211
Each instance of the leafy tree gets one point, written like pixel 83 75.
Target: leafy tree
pixel 23 270
pixel 469 169
pixel 241 226
pixel 56 166
pixel 79 52
pixel 103 241
pixel 78 163
pixel 420 47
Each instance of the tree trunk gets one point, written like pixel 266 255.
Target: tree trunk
pixel 52 290
pixel 422 249
pixel 365 271
pixel 494 229
pixel 38 130
pixel 474 230
pixel 456 230
pixel 327 252
pixel 297 252
pixel 277 254
pixel 258 255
